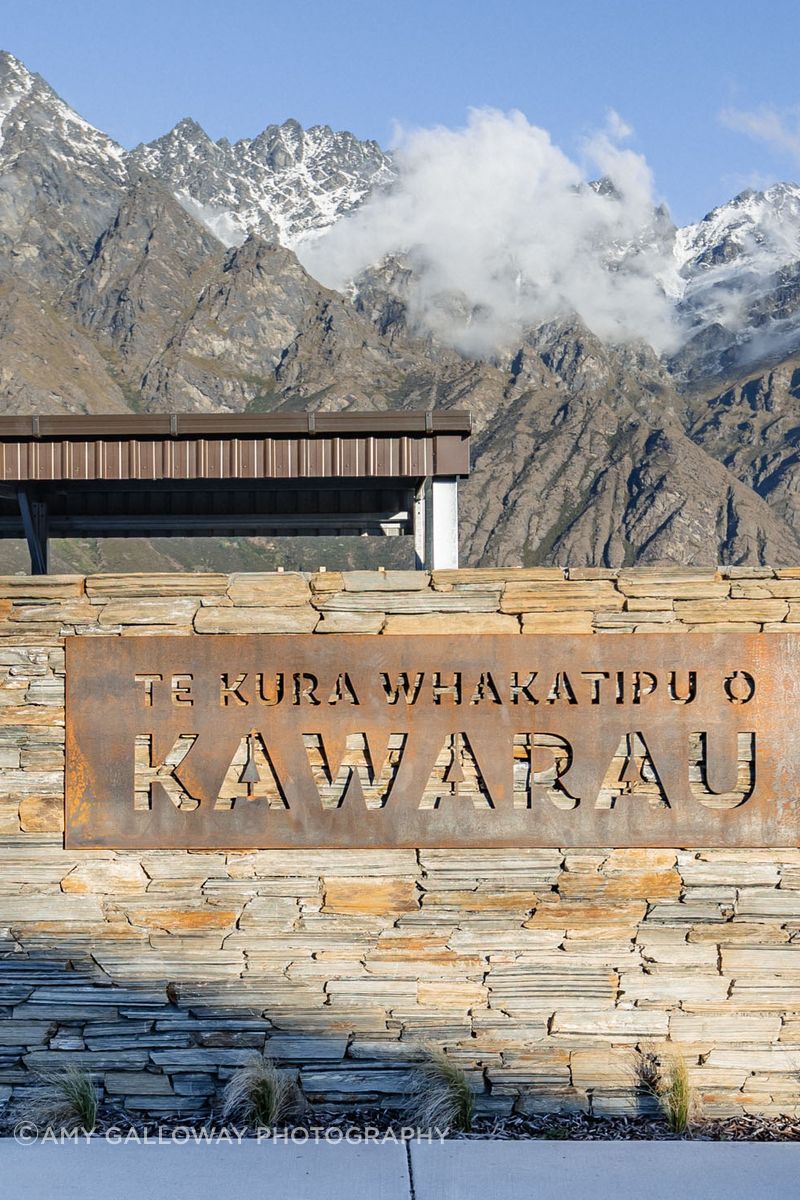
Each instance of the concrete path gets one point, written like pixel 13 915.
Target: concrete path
pixel 100 1171
pixel 605 1171
pixel 450 1171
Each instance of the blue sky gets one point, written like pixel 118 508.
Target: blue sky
pixel 670 69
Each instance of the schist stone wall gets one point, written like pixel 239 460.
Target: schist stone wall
pixel 542 970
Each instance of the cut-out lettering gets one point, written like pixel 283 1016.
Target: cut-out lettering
pixel 305 687
pixel 678 694
pixel 699 782
pixel 644 684
pixel 181 689
pixel 451 690
pixel 343 690
pixel 485 689
pixel 561 689
pixel 595 678
pixel 250 776
pixel 354 778
pixel 147 773
pixel 521 687
pixel 456 775
pixel 740 687
pixel 269 688
pixel 632 772
pixel 148 681
pixel 540 762
pixel 229 694
pixel 402 687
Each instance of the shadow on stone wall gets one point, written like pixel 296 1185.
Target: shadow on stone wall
pixel 167 1050
pixel 156 1054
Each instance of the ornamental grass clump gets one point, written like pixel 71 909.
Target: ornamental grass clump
pixel 440 1095
pixel 676 1096
pixel 666 1078
pixel 259 1094
pixel 64 1101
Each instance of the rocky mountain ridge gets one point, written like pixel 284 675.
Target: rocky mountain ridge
pixel 284 184
pixel 122 286
pixel 737 283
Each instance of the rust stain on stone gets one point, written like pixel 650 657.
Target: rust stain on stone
pixel 190 920
pixel 379 896
pixel 41 814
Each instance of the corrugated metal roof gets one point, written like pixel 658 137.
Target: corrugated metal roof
pixel 234 424
pixel 234 446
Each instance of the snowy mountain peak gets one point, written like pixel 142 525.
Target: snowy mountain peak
pixel 738 273
pixel 13 72
pixel 752 226
pixel 34 117
pixel 287 183
pixel 12 68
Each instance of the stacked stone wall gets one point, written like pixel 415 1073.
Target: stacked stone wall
pixel 542 970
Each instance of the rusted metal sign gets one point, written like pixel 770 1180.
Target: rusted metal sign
pixel 355 741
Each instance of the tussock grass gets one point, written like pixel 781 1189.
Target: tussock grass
pixel 440 1096
pixel 260 1094
pixel 65 1101
pixel 666 1077
pixel 678 1099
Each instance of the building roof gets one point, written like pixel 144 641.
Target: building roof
pixel 184 446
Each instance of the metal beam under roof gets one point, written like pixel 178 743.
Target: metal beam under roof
pixel 223 474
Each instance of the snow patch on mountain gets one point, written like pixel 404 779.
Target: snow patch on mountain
pixel 15 83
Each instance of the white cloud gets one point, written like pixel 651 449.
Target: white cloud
pixel 618 128
pixel 779 130
pixel 503 232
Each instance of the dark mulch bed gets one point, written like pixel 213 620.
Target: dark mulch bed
pixel 583 1128
pixel 554 1126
